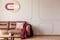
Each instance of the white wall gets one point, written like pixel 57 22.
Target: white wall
pixel 50 16
pixel 44 15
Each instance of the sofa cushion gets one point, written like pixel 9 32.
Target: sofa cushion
pixel 3 32
pixel 3 25
pixel 12 25
pixel 16 31
pixel 20 25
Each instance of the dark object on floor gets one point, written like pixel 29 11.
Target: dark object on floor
pixel 31 31
pixel 27 31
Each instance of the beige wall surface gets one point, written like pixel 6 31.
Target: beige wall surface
pixel 44 15
pixel 50 16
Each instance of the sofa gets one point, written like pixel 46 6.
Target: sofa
pixel 16 28
pixel 13 27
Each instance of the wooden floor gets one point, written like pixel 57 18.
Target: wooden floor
pixel 41 38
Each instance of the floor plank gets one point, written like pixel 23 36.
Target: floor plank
pixel 42 38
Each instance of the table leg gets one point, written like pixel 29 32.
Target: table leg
pixel 5 38
pixel 12 38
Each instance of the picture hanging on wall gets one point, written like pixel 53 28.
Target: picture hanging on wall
pixel 12 5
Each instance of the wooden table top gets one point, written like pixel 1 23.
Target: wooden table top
pixel 7 36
